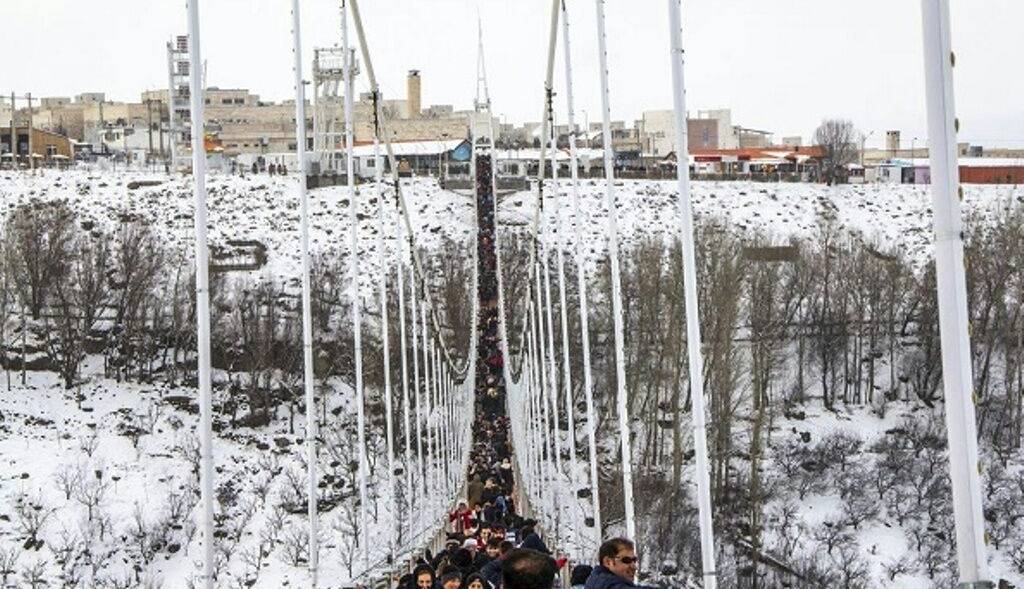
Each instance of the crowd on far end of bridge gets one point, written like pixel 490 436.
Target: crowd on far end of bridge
pixel 489 544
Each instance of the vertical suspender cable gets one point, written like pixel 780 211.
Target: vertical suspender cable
pixel 536 417
pixel 545 426
pixel 406 405
pixel 393 162
pixel 582 287
pixel 546 275
pixel 428 414
pixel 307 321
pixel 385 343
pixel 421 484
pixel 442 424
pixel 452 432
pixel 545 377
pixel 563 316
pixel 548 82
pixel 957 376
pixel 553 388
pixel 693 339
pixel 202 292
pixel 357 328
pixel 613 252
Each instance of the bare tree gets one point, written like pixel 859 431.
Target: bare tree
pixel 76 301
pixel 837 139
pixel 8 560
pixel 39 239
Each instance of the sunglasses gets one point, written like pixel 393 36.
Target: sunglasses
pixel 628 559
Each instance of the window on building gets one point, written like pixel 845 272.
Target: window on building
pixel 226 101
pixel 239 101
pixel 370 162
pixel 51 150
pixel 292 147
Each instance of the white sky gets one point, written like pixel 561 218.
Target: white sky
pixel 780 65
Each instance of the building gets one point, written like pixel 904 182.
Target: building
pixel 752 138
pixel 47 148
pixel 242 122
pixel 727 138
pixel 711 129
pixel 800 162
pixel 973 170
pixel 413 157
pixel 658 127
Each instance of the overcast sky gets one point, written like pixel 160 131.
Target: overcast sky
pixel 779 65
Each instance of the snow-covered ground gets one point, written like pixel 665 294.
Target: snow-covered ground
pixel 48 436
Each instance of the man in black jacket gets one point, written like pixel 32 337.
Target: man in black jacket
pixel 492 570
pixel 618 566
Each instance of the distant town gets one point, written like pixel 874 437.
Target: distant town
pixel 246 133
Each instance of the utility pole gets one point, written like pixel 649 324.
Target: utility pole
pixel 102 130
pixel 163 153
pixel 31 157
pixel 149 124
pixel 14 136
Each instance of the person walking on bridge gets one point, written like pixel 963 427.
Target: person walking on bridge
pixel 528 569
pixel 475 491
pixel 617 568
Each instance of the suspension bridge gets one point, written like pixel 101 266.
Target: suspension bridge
pixel 530 388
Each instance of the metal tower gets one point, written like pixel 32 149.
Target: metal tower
pixel 481 124
pixel 328 102
pixel 178 95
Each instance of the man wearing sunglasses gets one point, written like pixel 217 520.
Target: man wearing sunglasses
pixel 618 566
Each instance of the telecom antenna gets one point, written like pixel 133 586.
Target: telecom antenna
pixel 481 125
pixel 481 69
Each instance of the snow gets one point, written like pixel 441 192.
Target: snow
pixel 266 209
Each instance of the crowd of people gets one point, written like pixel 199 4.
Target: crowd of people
pixel 489 545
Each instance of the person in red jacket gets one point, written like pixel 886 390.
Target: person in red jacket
pixel 462 518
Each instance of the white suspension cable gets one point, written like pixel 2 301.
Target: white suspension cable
pixel 354 275
pixel 570 406
pixel 202 293
pixel 417 265
pixel 613 252
pixel 429 472
pixel 442 423
pixel 307 314
pixel 693 337
pixel 566 378
pixel 546 293
pixel 545 437
pixel 536 418
pixel 553 389
pixel 386 346
pixel 421 483
pixel 954 318
pixel 406 404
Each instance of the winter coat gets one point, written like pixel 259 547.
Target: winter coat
pixel 533 542
pixel 492 572
pixel 475 492
pixel 603 578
